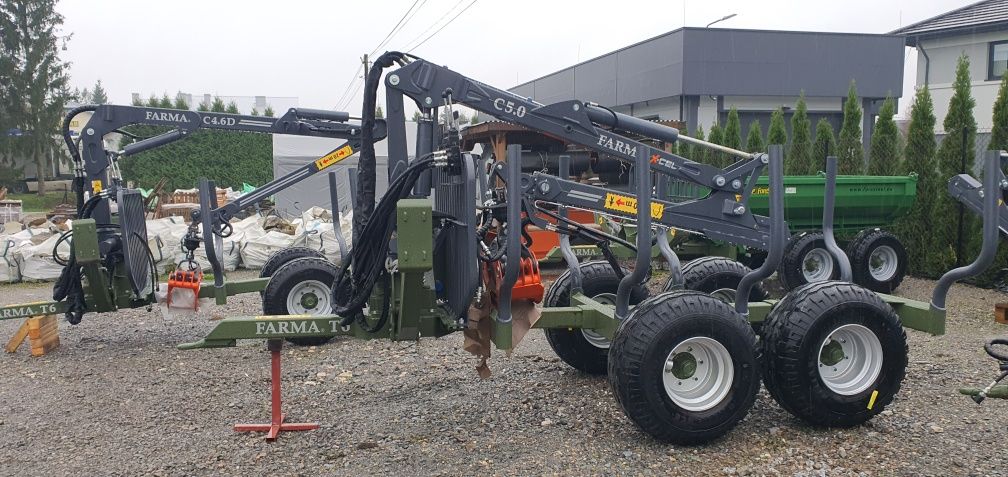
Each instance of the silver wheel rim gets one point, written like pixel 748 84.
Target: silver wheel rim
pixel 726 295
pixel 850 359
pixel 817 265
pixel 698 373
pixel 882 263
pixel 593 338
pixel 310 297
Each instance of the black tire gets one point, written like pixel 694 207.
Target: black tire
pixel 284 255
pixel 709 274
pixel 792 347
pixel 290 275
pixel 571 345
pixel 791 270
pixel 642 346
pixel 882 244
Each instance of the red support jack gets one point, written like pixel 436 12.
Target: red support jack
pixel 276 426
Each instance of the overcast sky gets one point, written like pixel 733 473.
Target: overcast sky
pixel 312 49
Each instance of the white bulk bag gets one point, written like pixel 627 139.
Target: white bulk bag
pixel 10 269
pixel 37 263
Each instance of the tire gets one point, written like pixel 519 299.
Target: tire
pixel 585 350
pixel 799 347
pixel 284 255
pixel 305 276
pixel 805 260
pixel 645 384
pixel 878 260
pixel 711 274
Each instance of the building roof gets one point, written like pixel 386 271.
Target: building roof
pixel 973 18
pixel 730 62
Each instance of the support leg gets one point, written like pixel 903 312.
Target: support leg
pixel 276 424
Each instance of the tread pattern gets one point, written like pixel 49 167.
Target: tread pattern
pixel 597 277
pixel 791 336
pixel 644 340
pixel 282 256
pixel 708 274
pixel 284 278
pixel 790 269
pixel 859 250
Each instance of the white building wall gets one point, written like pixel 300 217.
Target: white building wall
pixel 666 109
pixel 771 103
pixel 943 54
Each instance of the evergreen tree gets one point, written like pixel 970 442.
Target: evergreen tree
pixel 416 116
pixel 217 105
pixel 999 141
pixel 916 227
pixel 165 102
pixel 778 132
pixel 35 82
pixel 268 112
pixel 153 101
pixel 698 153
pixel 733 130
pixel 825 145
pixel 716 136
pixel 754 141
pixel 850 151
pixel 883 160
pixel 98 95
pixel 203 107
pixel 799 159
pixel 255 112
pixel 180 101
pixel 232 108
pixel 475 119
pixel 137 101
pixel 378 113
pixel 960 130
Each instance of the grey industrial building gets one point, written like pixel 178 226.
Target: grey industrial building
pixel 696 75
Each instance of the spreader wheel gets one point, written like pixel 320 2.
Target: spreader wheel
pixel 834 353
pixel 878 260
pixel 807 260
pixel 284 255
pixel 585 349
pixel 684 368
pixel 301 287
pixel 717 276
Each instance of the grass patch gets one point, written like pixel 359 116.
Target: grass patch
pixel 32 202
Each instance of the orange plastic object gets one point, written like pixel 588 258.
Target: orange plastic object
pixel 189 279
pixel 529 285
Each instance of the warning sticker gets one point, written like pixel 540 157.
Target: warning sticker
pixel 334 157
pixel 628 204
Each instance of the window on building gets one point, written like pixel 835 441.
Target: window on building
pixel 998 60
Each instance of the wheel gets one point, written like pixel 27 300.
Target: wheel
pixel 684 368
pixel 585 349
pixel 878 260
pixel 834 353
pixel 717 276
pixel 807 260
pixel 301 287
pixel 284 255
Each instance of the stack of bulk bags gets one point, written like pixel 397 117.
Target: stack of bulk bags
pixel 36 259
pixel 260 244
pixel 10 269
pixel 164 237
pixel 315 230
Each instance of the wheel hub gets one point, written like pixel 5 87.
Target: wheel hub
pixel 310 297
pixel 882 263
pixel 817 265
pixel 698 373
pixel 850 359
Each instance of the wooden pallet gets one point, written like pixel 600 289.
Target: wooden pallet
pixel 42 333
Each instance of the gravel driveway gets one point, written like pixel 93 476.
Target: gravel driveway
pixel 117 398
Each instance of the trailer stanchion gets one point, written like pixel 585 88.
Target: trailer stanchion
pixel 276 424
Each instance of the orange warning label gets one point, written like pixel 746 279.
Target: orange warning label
pixel 334 157
pixel 628 204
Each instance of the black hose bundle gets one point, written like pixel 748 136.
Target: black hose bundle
pixel 364 204
pixel 352 290
pixel 68 285
pixel 78 182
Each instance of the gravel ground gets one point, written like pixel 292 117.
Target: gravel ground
pixel 117 398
